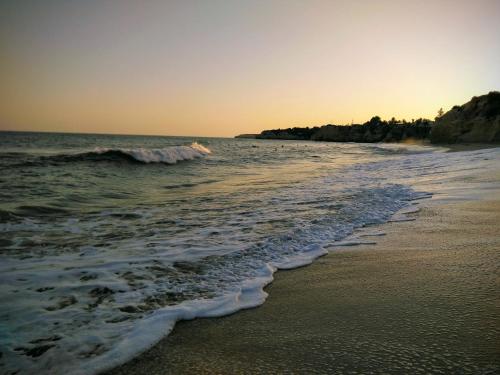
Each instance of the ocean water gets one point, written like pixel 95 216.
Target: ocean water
pixel 106 241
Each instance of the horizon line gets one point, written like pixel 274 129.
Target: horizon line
pixel 121 134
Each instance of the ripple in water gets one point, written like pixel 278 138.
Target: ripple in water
pixel 99 260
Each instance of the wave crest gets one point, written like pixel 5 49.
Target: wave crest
pixel 168 155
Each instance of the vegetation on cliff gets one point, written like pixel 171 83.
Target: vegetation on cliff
pixel 375 130
pixel 475 121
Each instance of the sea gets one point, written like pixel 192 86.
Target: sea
pixel 106 241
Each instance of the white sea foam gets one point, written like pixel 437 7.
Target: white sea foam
pixel 217 285
pixel 168 155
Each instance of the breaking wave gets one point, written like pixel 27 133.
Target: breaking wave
pixel 168 155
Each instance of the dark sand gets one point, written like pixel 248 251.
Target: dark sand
pixel 425 299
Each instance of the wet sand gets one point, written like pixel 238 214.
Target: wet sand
pixel 425 299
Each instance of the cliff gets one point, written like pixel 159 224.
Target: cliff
pixel 374 130
pixel 251 136
pixel 477 121
pixel 290 133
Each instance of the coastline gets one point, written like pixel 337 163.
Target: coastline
pixel 423 299
pixel 468 146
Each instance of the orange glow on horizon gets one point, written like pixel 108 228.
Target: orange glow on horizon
pixel 219 69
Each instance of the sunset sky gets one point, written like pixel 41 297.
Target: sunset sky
pixel 220 68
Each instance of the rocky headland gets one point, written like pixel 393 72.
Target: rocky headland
pixel 251 136
pixel 375 130
pixel 477 121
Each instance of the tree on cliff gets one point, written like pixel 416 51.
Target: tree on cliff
pixel 440 113
pixel 375 120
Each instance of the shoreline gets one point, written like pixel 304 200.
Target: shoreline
pixel 467 146
pixel 409 303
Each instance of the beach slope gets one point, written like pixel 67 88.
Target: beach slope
pixel 423 300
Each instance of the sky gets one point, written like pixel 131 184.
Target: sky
pixel 221 68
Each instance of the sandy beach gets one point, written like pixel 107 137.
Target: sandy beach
pixel 424 299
